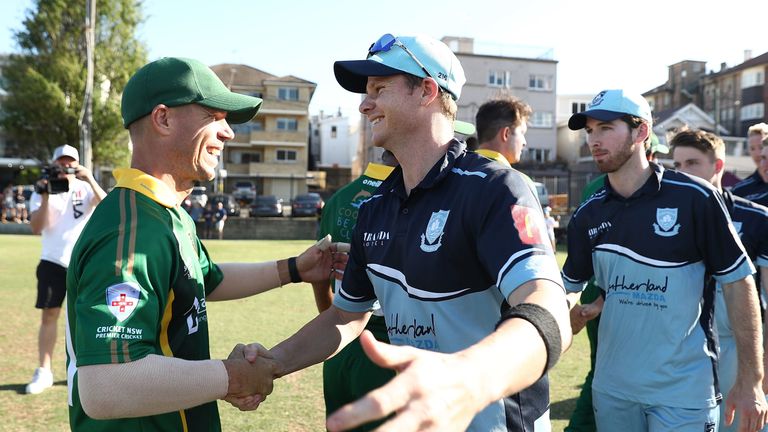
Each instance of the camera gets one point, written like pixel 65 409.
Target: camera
pixel 55 184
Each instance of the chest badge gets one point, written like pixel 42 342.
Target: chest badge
pixel 666 225
pixel 434 233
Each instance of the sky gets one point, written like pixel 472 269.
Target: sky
pixel 598 44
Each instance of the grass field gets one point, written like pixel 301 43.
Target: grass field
pixel 297 402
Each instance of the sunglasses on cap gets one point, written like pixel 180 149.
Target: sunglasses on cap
pixel 386 42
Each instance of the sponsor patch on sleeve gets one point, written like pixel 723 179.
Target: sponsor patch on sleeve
pixel 122 299
pixel 530 226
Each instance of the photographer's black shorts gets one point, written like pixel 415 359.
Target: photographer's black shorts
pixel 51 285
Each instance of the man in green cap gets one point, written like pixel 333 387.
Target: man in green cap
pixel 139 278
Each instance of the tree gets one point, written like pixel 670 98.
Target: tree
pixel 45 82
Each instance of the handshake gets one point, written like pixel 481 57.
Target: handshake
pixel 251 370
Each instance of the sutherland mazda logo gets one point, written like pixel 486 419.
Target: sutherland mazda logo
pixel 375 239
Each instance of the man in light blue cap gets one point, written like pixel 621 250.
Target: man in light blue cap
pixel 650 237
pixel 454 247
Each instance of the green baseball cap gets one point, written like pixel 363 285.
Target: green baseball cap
pixel 175 81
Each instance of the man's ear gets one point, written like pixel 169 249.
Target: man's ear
pixel 160 119
pixel 643 132
pixel 430 91
pixel 719 165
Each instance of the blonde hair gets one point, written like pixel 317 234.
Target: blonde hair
pixel 759 129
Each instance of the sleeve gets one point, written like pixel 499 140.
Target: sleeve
pixel 212 274
pixel 577 269
pixel 356 293
pixel 120 301
pixel 723 253
pixel 35 201
pixel 512 240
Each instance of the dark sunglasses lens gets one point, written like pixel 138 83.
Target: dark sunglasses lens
pixel 383 44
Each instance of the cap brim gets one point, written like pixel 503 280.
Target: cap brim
pixel 353 75
pixel 660 148
pixel 240 108
pixel 463 128
pixel 579 120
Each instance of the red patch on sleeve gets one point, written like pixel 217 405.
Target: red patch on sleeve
pixel 529 225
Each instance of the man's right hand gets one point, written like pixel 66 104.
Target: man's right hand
pixel 249 378
pixel 580 314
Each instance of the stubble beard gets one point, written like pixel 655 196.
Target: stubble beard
pixel 615 162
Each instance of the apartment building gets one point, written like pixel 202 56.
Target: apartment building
pixel 494 70
pixel 271 151
pixel 728 101
pixel 334 142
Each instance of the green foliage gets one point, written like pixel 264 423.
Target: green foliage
pixel 46 80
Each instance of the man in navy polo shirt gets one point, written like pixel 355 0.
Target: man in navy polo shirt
pixel 702 154
pixel 755 187
pixel 650 237
pixel 454 247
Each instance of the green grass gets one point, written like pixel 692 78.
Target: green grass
pixel 297 402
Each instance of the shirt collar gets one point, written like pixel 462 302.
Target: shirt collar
pixel 494 155
pixel 378 171
pixel 650 187
pixel 145 184
pixel 438 171
pixel 443 165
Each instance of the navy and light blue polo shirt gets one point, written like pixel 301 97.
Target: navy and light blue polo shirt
pixel 752 188
pixel 751 223
pixel 443 259
pixel 651 254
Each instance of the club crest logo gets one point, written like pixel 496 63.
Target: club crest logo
pixel 122 299
pixel 666 225
pixel 434 233
pixel 597 100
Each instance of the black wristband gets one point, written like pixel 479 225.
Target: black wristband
pixel 293 270
pixel 545 324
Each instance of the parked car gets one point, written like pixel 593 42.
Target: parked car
pixel 267 205
pixel 244 191
pixel 310 204
pixel 198 196
pixel 230 204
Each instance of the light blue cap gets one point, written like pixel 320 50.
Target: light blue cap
pixel 435 56
pixel 609 105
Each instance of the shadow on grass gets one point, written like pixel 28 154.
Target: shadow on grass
pixel 562 410
pixel 21 388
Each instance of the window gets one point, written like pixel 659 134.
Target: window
pixel 539 82
pixel 257 125
pixel 536 155
pixel 752 111
pixel 333 131
pixel 250 157
pixel 243 129
pixel 287 124
pixel 577 107
pixel 751 78
pixel 288 93
pixel 286 155
pixel 541 119
pixel 498 78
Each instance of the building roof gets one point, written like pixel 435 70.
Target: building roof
pixel 241 75
pixel 762 59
